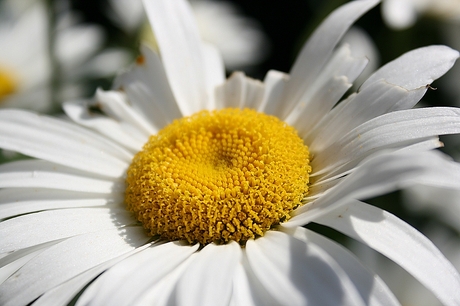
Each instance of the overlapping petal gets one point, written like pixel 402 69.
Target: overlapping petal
pixel 60 142
pixel 400 242
pixel 63 261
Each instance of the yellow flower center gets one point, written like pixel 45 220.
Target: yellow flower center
pixel 8 83
pixel 218 176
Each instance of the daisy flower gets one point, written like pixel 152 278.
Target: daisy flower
pixel 26 68
pixel 181 187
pixel 239 39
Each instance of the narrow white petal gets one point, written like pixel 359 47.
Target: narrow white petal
pixel 15 260
pixel 119 132
pixel 214 71
pixel 148 90
pixel 128 280
pixel 162 294
pixel 239 91
pixel 181 52
pixel 307 114
pixel 33 229
pixel 64 293
pixel 275 82
pixel 326 90
pixel 417 68
pixel 254 94
pixel 386 132
pixel 401 243
pixel 296 273
pixel 259 294
pixel 378 99
pixel 317 51
pixel 372 289
pixel 7 270
pixel 420 145
pixel 66 260
pixel 43 174
pixel 60 142
pixel 398 85
pixel 208 279
pixel 430 144
pixel 242 293
pixel 116 105
pixel 18 201
pixel 379 175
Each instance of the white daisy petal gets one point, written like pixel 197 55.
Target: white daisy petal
pixel 385 132
pixel 357 109
pixel 401 243
pixel 242 293
pixel 239 91
pixel 43 174
pixel 116 105
pixel 181 52
pixel 8 269
pixel 15 260
pixel 430 144
pixel 326 180
pixel 65 292
pixel 17 201
pixel 307 115
pixel 372 289
pixel 275 82
pixel 162 293
pixel 208 279
pixel 21 232
pixel 326 90
pixel 317 51
pixel 289 269
pixel 398 85
pixel 215 71
pixel 60 142
pixel 63 261
pixel 148 90
pixel 119 132
pixel 376 176
pixel 131 278
pixel 416 68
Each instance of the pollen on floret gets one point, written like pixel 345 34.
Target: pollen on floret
pixel 218 176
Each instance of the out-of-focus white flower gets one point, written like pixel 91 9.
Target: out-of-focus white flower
pixel 239 39
pixel 224 173
pixel 26 65
pixel 401 14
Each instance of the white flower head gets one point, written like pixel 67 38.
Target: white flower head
pixel 26 63
pixel 25 68
pixel 206 164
